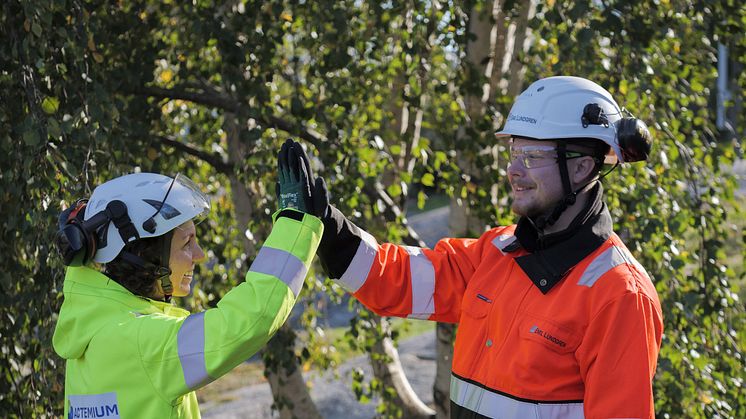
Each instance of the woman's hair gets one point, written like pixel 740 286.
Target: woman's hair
pixel 137 280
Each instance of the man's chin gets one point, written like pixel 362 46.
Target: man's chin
pixel 522 211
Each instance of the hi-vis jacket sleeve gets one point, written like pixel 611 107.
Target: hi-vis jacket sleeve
pixel 184 354
pixel 399 281
pixel 618 356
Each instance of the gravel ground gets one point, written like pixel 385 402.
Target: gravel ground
pixel 333 395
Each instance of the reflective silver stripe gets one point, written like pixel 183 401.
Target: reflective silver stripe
pixel 606 261
pixel 503 241
pixel 495 405
pixel 422 273
pixel 356 274
pixel 631 260
pixel 191 344
pixel 281 264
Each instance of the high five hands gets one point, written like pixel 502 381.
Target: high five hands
pixel 294 188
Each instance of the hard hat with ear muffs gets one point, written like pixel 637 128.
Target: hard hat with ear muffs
pixel 125 209
pixel 565 107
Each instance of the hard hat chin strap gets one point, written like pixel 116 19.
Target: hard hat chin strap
pixel 546 220
pixel 166 284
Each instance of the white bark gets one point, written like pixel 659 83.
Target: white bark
pixel 521 44
pixel 389 370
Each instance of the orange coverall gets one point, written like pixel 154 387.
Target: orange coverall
pixel 572 331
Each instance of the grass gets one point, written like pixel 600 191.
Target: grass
pixel 434 201
pixel 252 372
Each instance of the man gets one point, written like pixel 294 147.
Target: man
pixel 556 318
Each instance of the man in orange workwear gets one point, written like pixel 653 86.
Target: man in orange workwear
pixel 556 318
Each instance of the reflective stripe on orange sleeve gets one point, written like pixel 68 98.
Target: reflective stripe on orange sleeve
pixel 354 277
pixel 422 275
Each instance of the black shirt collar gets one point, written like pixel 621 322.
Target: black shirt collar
pixel 554 255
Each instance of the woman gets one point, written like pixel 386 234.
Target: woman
pixel 129 352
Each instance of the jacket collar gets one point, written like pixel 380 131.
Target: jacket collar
pixel 552 256
pixel 94 283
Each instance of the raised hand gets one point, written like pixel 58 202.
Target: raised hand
pixel 294 188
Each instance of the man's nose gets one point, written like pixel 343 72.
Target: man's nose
pixel 515 168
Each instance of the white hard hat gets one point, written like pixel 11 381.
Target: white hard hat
pixel 554 108
pixel 156 204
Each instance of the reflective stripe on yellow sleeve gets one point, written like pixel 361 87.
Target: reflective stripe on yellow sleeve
pixel 281 264
pixel 191 348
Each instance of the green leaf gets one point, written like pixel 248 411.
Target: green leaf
pixel 50 105
pixel 36 29
pixel 31 137
pixel 697 87
pixel 428 179
pixel 53 128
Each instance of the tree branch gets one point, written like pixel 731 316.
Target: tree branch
pixel 308 134
pixel 208 98
pixel 213 98
pixel 213 159
pixel 392 211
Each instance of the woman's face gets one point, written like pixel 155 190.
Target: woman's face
pixel 185 252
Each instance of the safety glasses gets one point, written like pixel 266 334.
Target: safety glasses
pixel 535 156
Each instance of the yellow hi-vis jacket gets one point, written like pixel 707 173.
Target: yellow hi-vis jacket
pixel 131 357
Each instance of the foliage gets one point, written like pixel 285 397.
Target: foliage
pixel 660 61
pixel 375 89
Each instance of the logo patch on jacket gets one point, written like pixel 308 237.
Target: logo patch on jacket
pixel 554 336
pixel 93 406
pixel 548 336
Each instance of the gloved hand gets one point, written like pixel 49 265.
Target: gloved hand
pixel 294 188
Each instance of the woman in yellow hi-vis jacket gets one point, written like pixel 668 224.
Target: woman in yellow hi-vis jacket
pixel 130 353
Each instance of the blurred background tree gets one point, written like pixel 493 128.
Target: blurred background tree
pixel 397 101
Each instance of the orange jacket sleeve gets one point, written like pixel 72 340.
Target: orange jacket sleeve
pixel 618 357
pixel 400 281
pixel 420 283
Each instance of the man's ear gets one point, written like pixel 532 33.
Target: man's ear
pixel 583 170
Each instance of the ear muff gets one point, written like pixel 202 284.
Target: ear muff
pixel 76 246
pixel 634 139
pixel 76 239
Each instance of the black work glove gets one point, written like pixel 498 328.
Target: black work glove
pixel 294 188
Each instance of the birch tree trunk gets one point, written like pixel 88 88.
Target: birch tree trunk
pixel 407 123
pixel 494 52
pixel 384 359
